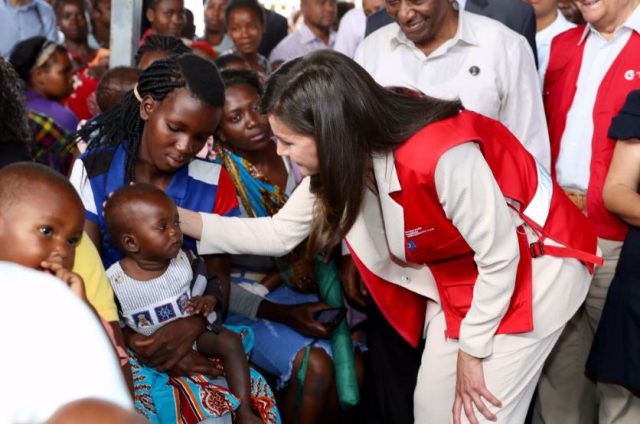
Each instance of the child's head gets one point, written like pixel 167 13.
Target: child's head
pixel 231 61
pixel 243 127
pixel 158 47
pixel 114 84
pixel 167 119
pixel 41 216
pixel 72 21
pixel 44 66
pixel 245 24
pixel 143 222
pixel 166 17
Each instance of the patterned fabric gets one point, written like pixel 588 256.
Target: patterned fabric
pixel 259 198
pixel 201 186
pixel 191 399
pixel 52 145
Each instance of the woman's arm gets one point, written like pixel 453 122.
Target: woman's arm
pixel 269 236
pixel 620 191
pixel 471 198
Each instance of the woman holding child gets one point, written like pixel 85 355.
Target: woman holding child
pixel 399 178
pixel 152 137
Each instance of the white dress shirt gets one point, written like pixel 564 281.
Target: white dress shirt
pixel 543 42
pixel 351 32
pixel 574 159
pixel 489 67
pixel 54 349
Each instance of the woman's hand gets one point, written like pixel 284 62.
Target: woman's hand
pixel 194 363
pixel 298 317
pixel 470 389
pixel 167 346
pixel 202 305
pixel 190 223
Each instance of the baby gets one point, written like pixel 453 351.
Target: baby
pixel 157 282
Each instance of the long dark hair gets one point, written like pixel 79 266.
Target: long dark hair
pixel 123 122
pixel 329 97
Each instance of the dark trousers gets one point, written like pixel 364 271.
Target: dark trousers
pixel 391 374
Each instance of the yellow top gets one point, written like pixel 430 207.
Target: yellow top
pixel 99 293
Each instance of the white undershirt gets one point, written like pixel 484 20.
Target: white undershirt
pixel 543 42
pixel 574 158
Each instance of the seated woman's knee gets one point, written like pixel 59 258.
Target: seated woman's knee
pixel 319 375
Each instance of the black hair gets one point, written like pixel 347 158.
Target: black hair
pixel 20 178
pixel 231 77
pixel 14 126
pixel 161 43
pixel 223 61
pixel 329 97
pixel 108 96
pixel 248 4
pixel 25 55
pixel 198 75
pixel 117 213
pixel 59 4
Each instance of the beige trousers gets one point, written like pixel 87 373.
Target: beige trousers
pixel 511 375
pixel 565 394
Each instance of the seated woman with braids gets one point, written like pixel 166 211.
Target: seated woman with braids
pixel 264 181
pixel 152 136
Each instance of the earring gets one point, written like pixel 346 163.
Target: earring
pixel 455 5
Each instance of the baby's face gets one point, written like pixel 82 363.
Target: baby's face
pixel 44 225
pixel 157 228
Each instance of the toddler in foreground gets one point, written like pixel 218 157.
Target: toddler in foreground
pixel 157 282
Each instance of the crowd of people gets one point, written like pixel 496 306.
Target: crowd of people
pixel 406 211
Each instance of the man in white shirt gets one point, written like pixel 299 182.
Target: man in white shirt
pixel 315 33
pixel 54 349
pixel 549 23
pixel 591 70
pixel 489 67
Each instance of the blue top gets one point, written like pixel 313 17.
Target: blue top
pixel 202 186
pixel 30 20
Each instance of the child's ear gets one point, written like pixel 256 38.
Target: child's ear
pixel 146 107
pixel 36 77
pixel 151 14
pixel 129 243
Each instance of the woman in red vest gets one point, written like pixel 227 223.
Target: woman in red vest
pixel 451 223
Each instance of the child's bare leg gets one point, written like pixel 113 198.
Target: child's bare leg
pixel 227 346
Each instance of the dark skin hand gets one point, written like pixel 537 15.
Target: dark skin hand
pixel 201 305
pixel 354 288
pixel 298 317
pixel 194 363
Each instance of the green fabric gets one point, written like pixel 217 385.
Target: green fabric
pixel 301 377
pixel 330 288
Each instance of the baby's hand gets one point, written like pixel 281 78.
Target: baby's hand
pixel 203 305
pixel 73 280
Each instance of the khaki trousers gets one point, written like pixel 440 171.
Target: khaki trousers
pixel 565 394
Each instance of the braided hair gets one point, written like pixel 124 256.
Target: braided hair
pixel 124 124
pixel 161 43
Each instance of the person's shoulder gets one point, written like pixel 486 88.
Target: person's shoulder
pixel 381 37
pixel 97 161
pixel 282 51
pixel 490 33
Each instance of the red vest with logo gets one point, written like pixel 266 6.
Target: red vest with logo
pixel 440 246
pixel 560 86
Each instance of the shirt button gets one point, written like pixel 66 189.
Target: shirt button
pixel 405 279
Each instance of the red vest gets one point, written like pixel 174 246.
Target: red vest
pixel 438 244
pixel 559 91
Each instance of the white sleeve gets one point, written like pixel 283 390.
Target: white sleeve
pixel 276 235
pixel 472 200
pixel 522 110
pixel 80 181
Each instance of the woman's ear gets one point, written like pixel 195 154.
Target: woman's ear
pixel 130 243
pixel 36 80
pixel 147 105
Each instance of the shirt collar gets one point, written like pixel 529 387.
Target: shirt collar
pixel 632 23
pixel 28 5
pixel 464 33
pixel 307 36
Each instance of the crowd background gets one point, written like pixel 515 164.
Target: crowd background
pixel 561 75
